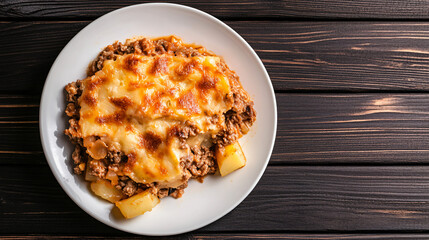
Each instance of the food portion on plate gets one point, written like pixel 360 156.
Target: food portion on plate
pixel 152 114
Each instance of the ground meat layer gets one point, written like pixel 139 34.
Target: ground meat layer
pixel 238 121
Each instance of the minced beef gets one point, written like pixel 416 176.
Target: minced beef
pixel 163 192
pixel 203 162
pixel 238 120
pixel 130 188
pixel 97 168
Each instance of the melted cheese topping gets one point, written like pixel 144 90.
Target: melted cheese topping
pixel 136 101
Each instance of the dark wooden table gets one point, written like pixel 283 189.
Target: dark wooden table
pixel 351 159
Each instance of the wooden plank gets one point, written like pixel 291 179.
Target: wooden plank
pixel 21 9
pixel 378 236
pixel 381 9
pixel 313 198
pixel 341 56
pixel 202 236
pixel 27 55
pixel 19 130
pixel 312 129
pixel 352 128
pixel 344 56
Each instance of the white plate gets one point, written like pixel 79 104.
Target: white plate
pixel 202 203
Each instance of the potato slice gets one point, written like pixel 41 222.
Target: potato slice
pixel 230 159
pixel 137 204
pixel 106 190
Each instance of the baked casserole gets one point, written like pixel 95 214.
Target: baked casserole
pixel 152 114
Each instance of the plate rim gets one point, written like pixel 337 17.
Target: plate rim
pixel 65 186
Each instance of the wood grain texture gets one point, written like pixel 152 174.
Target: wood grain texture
pixel 351 56
pixel 19 130
pixel 312 129
pixel 324 9
pixel 340 56
pixel 309 236
pixel 29 50
pixel 203 236
pixel 352 128
pixel 313 198
pixel 21 9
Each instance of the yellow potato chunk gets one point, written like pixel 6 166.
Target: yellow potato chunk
pixel 230 158
pixel 106 190
pixel 137 204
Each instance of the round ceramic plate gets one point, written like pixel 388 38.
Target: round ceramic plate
pixel 202 203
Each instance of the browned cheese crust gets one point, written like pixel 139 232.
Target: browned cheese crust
pixel 238 120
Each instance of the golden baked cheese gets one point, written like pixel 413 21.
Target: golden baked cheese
pixel 135 102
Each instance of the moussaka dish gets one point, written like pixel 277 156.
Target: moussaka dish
pixel 152 114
